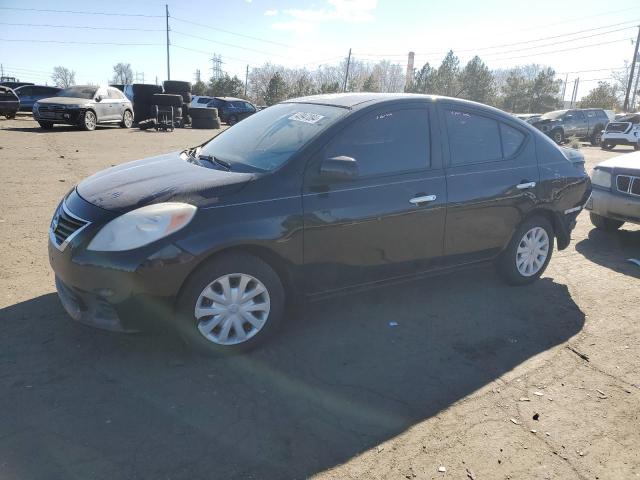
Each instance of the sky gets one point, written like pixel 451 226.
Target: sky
pixel 90 36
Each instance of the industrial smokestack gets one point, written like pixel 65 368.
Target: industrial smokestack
pixel 409 79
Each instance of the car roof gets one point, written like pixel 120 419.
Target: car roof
pixel 43 86
pixel 231 99
pixel 354 101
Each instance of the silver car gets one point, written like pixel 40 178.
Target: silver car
pixel 615 198
pixel 85 106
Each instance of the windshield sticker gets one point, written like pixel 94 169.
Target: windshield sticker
pixel 306 117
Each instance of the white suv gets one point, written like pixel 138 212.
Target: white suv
pixel 624 131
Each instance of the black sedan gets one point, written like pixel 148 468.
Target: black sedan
pixel 308 197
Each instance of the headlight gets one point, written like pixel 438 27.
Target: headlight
pixel 142 226
pixel 600 177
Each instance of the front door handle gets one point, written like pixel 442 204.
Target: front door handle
pixel 525 185
pixel 422 199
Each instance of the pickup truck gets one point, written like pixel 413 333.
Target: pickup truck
pixel 586 124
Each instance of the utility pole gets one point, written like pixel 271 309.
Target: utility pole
pixel 564 88
pixel 166 6
pixel 346 75
pixel 246 79
pixel 574 94
pixel 635 90
pixel 633 69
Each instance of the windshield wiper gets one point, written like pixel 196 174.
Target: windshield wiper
pixel 213 159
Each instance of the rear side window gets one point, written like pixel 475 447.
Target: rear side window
pixel 114 93
pixel 383 143
pixel 472 138
pixel 511 140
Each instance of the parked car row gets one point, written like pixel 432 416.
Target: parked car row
pixel 230 110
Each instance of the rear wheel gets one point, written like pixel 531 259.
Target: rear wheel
pixel 45 125
pixel 88 120
pixel 528 253
pixel 596 138
pixel 607 145
pixel 230 305
pixel 232 120
pixel 604 223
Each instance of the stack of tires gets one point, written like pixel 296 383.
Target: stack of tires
pixel 142 95
pixel 205 118
pixel 183 89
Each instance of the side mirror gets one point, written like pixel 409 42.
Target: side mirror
pixel 339 168
pixel 98 98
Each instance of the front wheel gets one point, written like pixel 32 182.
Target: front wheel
pixel 595 139
pixel 45 125
pixel 604 223
pixel 232 120
pixel 88 121
pixel 528 253
pixel 606 145
pixel 127 119
pixel 558 136
pixel 230 305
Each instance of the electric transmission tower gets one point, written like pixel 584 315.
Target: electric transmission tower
pixel 216 69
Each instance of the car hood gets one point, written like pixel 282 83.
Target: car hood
pixel 628 161
pixel 65 100
pixel 546 121
pixel 159 179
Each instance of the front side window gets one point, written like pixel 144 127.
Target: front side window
pixel 472 138
pixel 386 142
pixel 268 139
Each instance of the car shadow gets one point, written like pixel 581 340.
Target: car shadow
pixel 58 129
pixel 345 375
pixel 612 249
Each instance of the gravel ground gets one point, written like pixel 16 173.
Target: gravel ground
pixel 478 379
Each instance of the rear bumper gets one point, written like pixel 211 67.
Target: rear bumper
pixel 625 208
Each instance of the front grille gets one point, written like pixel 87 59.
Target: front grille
pixel 618 127
pixel 628 184
pixel 51 108
pixel 65 226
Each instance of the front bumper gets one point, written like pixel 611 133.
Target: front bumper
pixel 70 116
pixel 620 139
pixel 118 291
pixel 605 203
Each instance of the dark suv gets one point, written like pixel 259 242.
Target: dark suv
pixel 232 110
pixel 586 124
pixel 30 94
pixel 311 196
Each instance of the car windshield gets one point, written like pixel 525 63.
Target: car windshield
pixel 267 139
pixel 78 92
pixel 553 115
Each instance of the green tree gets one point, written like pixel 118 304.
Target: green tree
pixel 276 90
pixel 199 88
pixel 447 77
pixel 370 84
pixel 514 93
pixel 477 82
pixel 330 87
pixel 226 86
pixel 424 80
pixel 602 96
pixel 543 91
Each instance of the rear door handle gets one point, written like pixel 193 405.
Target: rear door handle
pixel 422 199
pixel 525 185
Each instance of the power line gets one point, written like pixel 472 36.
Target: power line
pixel 595 70
pixel 523 42
pixel 79 43
pixel 562 50
pixel 82 26
pixel 228 44
pixel 78 12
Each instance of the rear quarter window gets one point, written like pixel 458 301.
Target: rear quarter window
pixel 512 139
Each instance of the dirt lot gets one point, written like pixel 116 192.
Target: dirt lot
pixel 479 378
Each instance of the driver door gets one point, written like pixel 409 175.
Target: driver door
pixel 388 220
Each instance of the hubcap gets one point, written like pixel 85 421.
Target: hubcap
pixel 232 309
pixel 532 252
pixel 90 120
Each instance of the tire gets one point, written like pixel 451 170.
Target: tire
pixel 232 120
pixel 10 116
pixel 166 100
pixel 604 223
pixel 236 268
pixel 45 125
pixel 558 136
pixel 176 86
pixel 127 119
pixel 88 121
pixel 186 97
pixel 636 146
pixel 606 145
pixel 509 261
pixel 142 92
pixel 210 113
pixel 596 138
pixel 206 123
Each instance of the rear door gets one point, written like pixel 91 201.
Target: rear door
pixel 103 107
pixel 389 221
pixel 492 176
pixel 118 102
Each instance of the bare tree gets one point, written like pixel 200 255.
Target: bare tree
pixel 63 77
pixel 122 74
